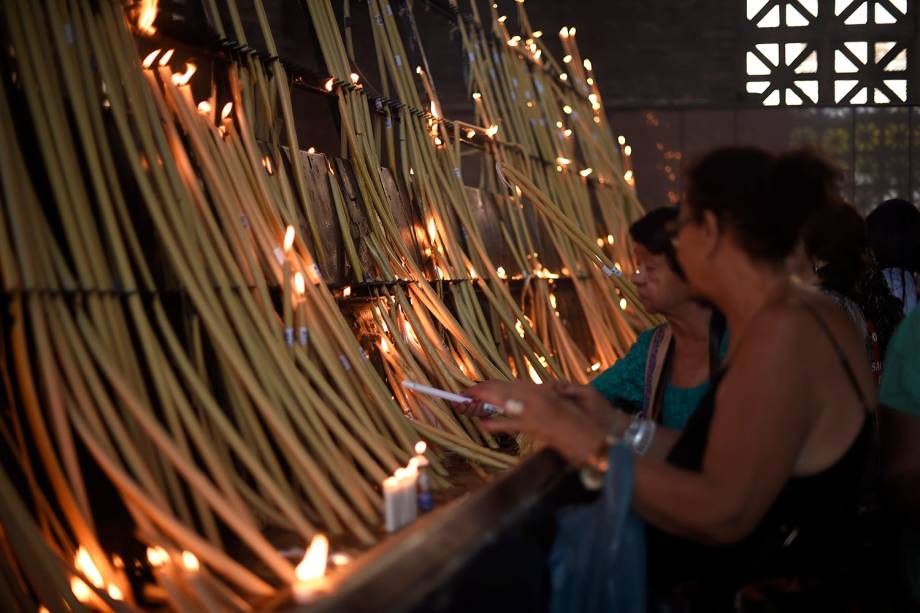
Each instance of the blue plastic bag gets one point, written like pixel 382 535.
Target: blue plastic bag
pixel 597 563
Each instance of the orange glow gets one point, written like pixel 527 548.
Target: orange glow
pixel 151 57
pixel 501 272
pixel 146 15
pixel 204 107
pixel 564 32
pixel 190 561
pixel 225 112
pixel 384 345
pixel 330 83
pixel 587 64
pixel 289 238
pixel 563 161
pixel 410 333
pixel 313 565
pixel 470 133
pixel 346 291
pixel 164 60
pixel 434 110
pixel 586 172
pixel 432 230
pixel 491 131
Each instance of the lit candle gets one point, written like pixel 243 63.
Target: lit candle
pixel 286 288
pixel 410 492
pixel 191 566
pixel 310 584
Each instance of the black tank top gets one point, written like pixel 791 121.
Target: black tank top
pixel 803 534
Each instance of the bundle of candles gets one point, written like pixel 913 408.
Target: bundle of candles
pixel 238 414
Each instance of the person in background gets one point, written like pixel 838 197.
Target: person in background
pixel 894 236
pixel 837 243
pixel 899 429
pixel 666 371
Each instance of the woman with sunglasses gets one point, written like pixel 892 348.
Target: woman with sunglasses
pixel 761 484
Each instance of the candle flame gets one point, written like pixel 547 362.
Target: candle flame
pixel 330 83
pixel 610 239
pixel 421 447
pixel 502 19
pixel 476 95
pixel 289 238
pixel 552 300
pixel 225 112
pixel 204 107
pixel 623 304
pixel 311 150
pixel 432 229
pixel 313 565
pixel 434 110
pixel 410 332
pixel 537 34
pixel 501 272
pixel 340 559
pixel 567 58
pixel 355 78
pixel 299 285
pixel 473 273
pixel 85 565
pixel 586 172
pixel 628 176
pixel 567 109
pixel 600 242
pixel 184 77
pixel 491 131
pixel 627 150
pixel 470 133
pixel 572 31
pixel 384 345
pixel 346 292
pixel 80 590
pixel 563 77
pixel 164 60
pixel 157 556
pixel 592 98
pixel 190 561
pixel 147 14
pixel 564 32
pixel 267 162
pixel 563 161
pixel 595 367
pixel 151 57
pixel 587 64
pixel 115 592
pixel 590 80
pixel 621 139
pixel 567 132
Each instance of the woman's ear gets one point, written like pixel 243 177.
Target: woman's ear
pixel 710 233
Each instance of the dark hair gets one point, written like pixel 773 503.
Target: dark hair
pixel 652 232
pixel 838 237
pixel 764 198
pixel 894 234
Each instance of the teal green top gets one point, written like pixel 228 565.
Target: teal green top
pixel 900 389
pixel 623 383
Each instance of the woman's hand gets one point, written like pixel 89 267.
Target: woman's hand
pixel 595 407
pixel 543 415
